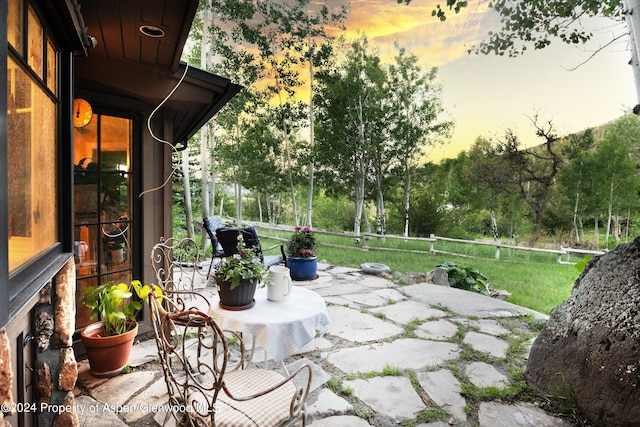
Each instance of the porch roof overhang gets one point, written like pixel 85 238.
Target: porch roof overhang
pixel 127 63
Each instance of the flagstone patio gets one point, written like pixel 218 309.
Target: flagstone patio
pixel 393 354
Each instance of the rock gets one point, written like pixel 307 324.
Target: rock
pixel 440 277
pixel 589 350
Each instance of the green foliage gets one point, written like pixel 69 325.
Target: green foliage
pixel 466 278
pixel 114 304
pixel 536 23
pixel 302 243
pixel 244 265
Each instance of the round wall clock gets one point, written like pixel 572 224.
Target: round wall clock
pixel 82 113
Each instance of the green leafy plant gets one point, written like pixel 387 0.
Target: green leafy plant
pixel 244 265
pixel 466 278
pixel 302 243
pixel 114 304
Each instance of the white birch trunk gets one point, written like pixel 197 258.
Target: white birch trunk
pixel 609 213
pixel 632 19
pixel 311 143
pixel 405 202
pixel 186 191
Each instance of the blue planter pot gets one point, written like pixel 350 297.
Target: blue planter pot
pixel 302 268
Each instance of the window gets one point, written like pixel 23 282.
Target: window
pixel 32 153
pixel 102 205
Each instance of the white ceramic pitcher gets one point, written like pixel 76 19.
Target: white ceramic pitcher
pixel 280 286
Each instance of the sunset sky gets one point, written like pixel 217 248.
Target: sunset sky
pixel 485 95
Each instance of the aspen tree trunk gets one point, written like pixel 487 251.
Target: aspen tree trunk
pixel 207 21
pixel 311 143
pixel 360 175
pixel 405 202
pixel 609 212
pixel 186 191
pixel 632 20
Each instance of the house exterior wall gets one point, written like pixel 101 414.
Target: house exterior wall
pixel 55 372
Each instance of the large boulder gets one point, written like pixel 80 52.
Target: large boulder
pixel 589 350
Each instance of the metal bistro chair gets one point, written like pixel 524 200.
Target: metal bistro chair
pixel 214 388
pixel 175 263
pixel 224 241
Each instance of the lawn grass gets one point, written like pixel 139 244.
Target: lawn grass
pixel 534 281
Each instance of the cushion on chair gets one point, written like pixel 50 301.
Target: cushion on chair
pixel 272 409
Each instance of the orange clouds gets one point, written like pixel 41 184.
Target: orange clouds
pixel 413 27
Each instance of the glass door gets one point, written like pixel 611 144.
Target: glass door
pixel 102 204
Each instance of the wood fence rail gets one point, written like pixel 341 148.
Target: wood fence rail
pixel 363 243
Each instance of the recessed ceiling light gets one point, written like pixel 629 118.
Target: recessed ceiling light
pixel 151 31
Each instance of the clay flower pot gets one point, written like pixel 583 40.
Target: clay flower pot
pixel 107 355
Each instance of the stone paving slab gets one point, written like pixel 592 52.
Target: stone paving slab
pixel 489 326
pixel 118 390
pixel 143 352
pixel 444 389
pixel 403 353
pixel 369 300
pixel 355 326
pixel 494 414
pixel 485 375
pixel 406 311
pixel 92 413
pixel 440 329
pixel 465 303
pixel 391 295
pixel 487 344
pixel 340 421
pixel 327 404
pixel 392 396
pixel 318 376
pixel 154 396
pixel 377 282
pixel 343 289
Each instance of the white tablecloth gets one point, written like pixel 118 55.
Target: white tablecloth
pixel 282 327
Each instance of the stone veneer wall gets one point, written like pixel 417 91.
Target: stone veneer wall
pixel 56 368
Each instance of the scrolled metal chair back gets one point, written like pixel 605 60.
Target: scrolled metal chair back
pixel 176 263
pixel 193 352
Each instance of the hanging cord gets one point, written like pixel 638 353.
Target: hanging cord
pixel 162 141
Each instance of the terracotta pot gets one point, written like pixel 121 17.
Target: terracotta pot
pixel 302 268
pixel 239 298
pixel 107 355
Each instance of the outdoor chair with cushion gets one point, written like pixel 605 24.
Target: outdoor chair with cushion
pixel 211 224
pixel 213 387
pixel 227 239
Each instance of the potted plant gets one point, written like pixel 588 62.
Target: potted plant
pixel 108 342
pixel 301 258
pixel 237 277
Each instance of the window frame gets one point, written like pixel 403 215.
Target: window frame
pixel 17 289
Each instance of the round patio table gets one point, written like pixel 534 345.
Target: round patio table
pixel 281 327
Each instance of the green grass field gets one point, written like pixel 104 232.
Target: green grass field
pixel 535 281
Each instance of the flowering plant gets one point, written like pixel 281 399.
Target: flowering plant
pixel 115 305
pixel 243 265
pixel 302 243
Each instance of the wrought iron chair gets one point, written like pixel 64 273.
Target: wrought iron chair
pixel 175 263
pixel 214 387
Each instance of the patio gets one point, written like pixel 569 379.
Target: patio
pixel 394 347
